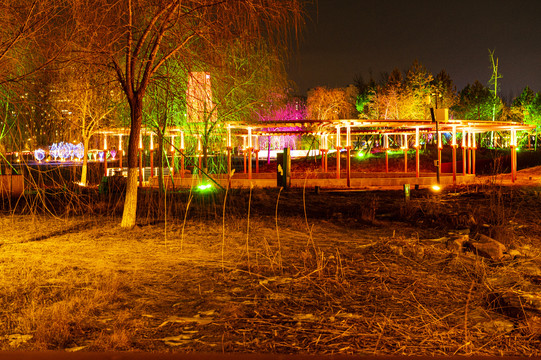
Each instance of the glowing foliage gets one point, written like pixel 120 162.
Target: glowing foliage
pixel 477 103
pixel 62 151
pixel 39 154
pixel 332 104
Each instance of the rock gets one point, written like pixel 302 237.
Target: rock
pixel 496 326
pixel 514 253
pixel 530 270
pixel 518 303
pixel 533 324
pixel 489 322
pixel 456 242
pixel 500 282
pixel 488 247
pixel 16 340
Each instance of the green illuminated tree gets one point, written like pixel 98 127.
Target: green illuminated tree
pixel 476 102
pixel 165 106
pixel 365 93
pixel 245 80
pixel 527 108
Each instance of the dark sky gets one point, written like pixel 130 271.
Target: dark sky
pixel 345 38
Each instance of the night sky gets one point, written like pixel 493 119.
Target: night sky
pixel 345 38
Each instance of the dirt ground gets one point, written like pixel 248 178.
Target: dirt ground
pixel 361 272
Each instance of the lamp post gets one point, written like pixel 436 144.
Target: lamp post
pixel 436 94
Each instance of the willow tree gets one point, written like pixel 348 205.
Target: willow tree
pixel 137 37
pixel 23 27
pixel 245 77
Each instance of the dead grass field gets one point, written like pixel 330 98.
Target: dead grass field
pixel 383 278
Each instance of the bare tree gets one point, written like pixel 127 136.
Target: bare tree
pixel 137 37
pixel 331 104
pixel 91 100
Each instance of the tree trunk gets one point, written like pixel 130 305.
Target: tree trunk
pixel 130 203
pixel 84 170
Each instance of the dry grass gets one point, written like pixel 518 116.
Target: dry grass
pixel 267 283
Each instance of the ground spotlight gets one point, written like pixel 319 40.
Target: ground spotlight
pixel 204 187
pixel 435 188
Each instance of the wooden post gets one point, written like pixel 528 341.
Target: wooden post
pixel 105 162
pixel 468 151
pixel 405 147
pixel 417 162
pixel 473 161
pixel 173 162
pixel 348 166
pixel 250 163
pixel 151 155
pixel 464 161
pixel 464 158
pixel 406 160
pixel 256 151
pixel 338 146
pixel 229 161
pixel 151 163
pixel 338 163
pixel 182 168
pixel 141 158
pixel 386 149
pixel 181 154
pixel 120 152
pixel 104 154
pixel 244 154
pixel 454 164
pixel 172 168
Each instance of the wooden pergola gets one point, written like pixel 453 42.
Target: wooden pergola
pixel 343 130
pixel 340 133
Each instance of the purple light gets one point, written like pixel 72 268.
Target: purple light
pixel 290 112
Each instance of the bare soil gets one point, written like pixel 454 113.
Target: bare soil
pixel 335 272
